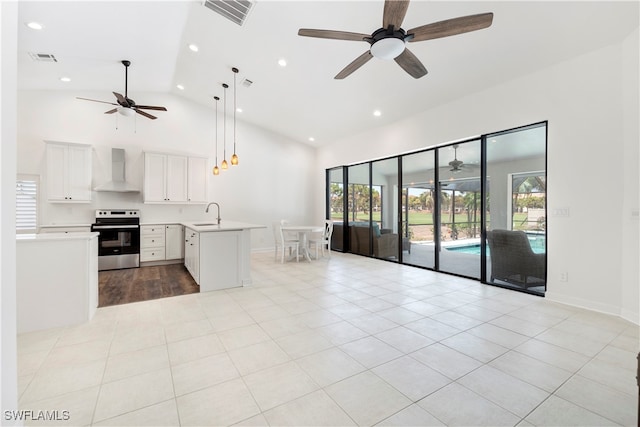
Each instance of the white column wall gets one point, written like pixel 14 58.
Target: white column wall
pixel 8 78
pixel 585 100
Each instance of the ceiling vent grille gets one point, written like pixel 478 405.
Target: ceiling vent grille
pixel 43 57
pixel 234 10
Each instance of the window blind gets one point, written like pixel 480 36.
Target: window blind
pixel 26 204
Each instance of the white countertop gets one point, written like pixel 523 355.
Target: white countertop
pixel 211 226
pixel 56 236
pixel 64 225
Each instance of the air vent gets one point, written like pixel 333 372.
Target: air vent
pixel 234 10
pixel 43 57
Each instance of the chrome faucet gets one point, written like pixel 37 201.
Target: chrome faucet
pixel 207 210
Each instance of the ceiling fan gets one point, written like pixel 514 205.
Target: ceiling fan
pixel 389 42
pixel 127 106
pixel 458 165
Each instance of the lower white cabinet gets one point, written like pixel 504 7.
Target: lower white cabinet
pixel 174 241
pixel 152 243
pixel 192 253
pixel 161 242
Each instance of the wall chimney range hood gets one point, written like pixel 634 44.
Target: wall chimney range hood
pixel 118 183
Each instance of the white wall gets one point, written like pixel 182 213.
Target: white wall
pixel 592 108
pixel 8 76
pixel 271 182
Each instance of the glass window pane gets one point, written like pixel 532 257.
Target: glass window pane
pixel 418 204
pixel 460 228
pixel 516 226
pixel 359 210
pixel 335 201
pixel 384 194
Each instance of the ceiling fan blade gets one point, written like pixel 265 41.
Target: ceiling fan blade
pixel 357 63
pixel 411 64
pixel 394 13
pixel 111 111
pixel 121 99
pixel 145 114
pixel 331 34
pixel 151 107
pixel 95 100
pixel 451 27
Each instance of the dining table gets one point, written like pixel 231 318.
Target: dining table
pixel 303 236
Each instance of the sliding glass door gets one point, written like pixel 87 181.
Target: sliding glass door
pixel 459 205
pixel 516 209
pixel 474 208
pixel 418 209
pixel 336 206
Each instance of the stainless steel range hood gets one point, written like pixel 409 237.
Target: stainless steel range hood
pixel 118 184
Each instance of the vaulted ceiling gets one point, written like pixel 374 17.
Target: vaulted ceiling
pixel 302 100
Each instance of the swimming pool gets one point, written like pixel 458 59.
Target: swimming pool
pixel 537 241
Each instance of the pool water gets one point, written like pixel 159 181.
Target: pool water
pixel 537 242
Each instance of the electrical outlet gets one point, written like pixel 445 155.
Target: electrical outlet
pixel 564 276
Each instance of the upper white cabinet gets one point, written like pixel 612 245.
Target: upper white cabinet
pixel 174 179
pixel 68 172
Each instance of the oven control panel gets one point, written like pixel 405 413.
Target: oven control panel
pixel 117 213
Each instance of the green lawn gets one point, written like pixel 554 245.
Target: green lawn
pixel 426 218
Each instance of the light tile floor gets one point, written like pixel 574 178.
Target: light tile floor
pixel 344 340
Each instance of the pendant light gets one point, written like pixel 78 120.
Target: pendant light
pixel 224 165
pixel 216 169
pixel 234 158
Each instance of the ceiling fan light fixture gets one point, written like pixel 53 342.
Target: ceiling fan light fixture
pixel 388 48
pixel 128 112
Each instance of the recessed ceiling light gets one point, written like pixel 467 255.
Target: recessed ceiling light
pixel 311 139
pixel 282 62
pixel 65 79
pixel 239 110
pixel 180 87
pixel 193 47
pixel 34 25
pixel 377 113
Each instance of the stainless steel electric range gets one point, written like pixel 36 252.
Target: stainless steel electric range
pixel 119 240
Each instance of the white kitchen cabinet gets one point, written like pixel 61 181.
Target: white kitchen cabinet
pixel 197 179
pixel 68 172
pixel 174 241
pixel 152 243
pixel 192 253
pixel 165 178
pixel 172 178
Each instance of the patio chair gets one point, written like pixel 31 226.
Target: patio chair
pixel 513 260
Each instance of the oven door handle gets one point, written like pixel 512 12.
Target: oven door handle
pixel 113 227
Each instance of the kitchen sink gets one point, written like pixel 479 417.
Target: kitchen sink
pixel 205 224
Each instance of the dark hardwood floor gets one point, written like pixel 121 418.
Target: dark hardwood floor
pixel 144 283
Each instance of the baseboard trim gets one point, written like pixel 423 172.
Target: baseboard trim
pixel 593 306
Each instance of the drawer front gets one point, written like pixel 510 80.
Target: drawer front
pixel 152 254
pixel 152 229
pixel 152 241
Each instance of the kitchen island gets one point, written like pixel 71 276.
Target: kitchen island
pixel 218 256
pixel 56 279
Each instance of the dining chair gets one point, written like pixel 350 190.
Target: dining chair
pixel 323 240
pixel 284 242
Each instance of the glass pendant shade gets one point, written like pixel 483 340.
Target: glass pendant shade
pixel 224 165
pixel 234 159
pixel 216 170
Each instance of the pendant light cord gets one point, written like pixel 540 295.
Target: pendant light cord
pixel 217 99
